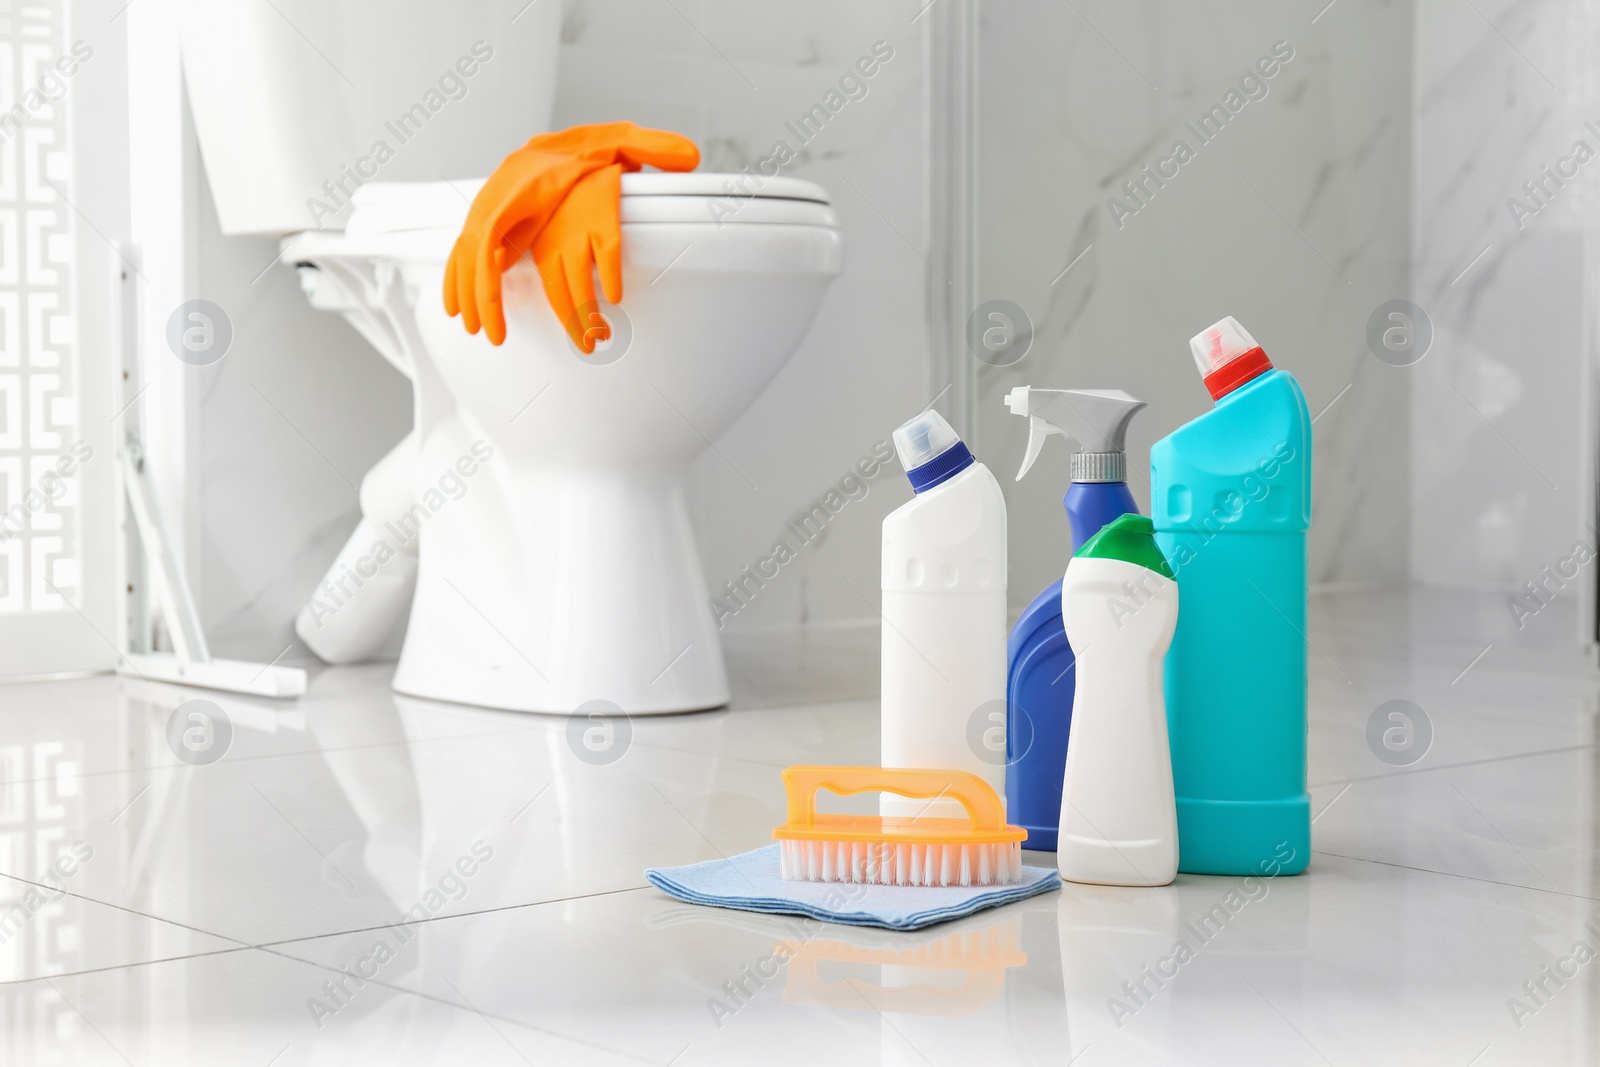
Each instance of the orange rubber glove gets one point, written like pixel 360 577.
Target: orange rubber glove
pixel 522 196
pixel 584 233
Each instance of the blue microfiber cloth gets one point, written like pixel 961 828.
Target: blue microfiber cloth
pixel 752 882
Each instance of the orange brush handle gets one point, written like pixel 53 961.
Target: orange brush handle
pixel 977 796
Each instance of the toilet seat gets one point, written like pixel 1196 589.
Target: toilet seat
pixel 403 207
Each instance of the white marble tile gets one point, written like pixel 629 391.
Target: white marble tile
pixel 353 836
pixel 843 733
pixel 1351 963
pixel 254 1007
pixel 1525 821
pixel 805 665
pixel 1483 690
pixel 121 723
pixel 221 898
pixel 47 930
pixel 1358 962
pixel 951 991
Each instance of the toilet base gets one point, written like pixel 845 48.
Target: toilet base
pixel 550 591
pixel 510 695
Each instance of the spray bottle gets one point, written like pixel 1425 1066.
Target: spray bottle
pixel 1039 680
pixel 944 614
pixel 1231 498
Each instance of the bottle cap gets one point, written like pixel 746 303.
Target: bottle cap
pixel 1227 357
pixel 930 451
pixel 1130 538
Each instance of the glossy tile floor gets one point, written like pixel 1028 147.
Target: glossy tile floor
pixel 217 913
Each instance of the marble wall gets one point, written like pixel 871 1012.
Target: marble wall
pixel 1294 219
pixel 1502 94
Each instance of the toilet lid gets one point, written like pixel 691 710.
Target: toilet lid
pixel 394 207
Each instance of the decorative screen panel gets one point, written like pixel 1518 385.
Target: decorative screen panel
pixel 41 819
pixel 40 446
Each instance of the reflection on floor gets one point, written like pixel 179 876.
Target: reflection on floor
pixel 248 908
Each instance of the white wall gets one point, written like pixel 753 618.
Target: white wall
pixel 1294 219
pixel 291 419
pixel 1495 412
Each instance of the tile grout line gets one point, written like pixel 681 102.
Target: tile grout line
pixel 156 767
pixel 62 895
pixel 245 946
pixel 314 964
pixel 13 982
pixel 435 998
pixel 1413 771
pixel 1457 876
pixel 455 915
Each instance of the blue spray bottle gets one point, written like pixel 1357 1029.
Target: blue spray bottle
pixel 1040 678
pixel 1230 494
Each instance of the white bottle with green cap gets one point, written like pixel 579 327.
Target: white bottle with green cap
pixel 944 617
pixel 1119 604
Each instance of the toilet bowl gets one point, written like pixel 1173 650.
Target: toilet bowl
pixel 534 519
pixel 556 566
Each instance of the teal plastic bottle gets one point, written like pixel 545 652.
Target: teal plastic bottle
pixel 1231 501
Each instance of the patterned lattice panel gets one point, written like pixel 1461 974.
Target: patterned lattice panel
pixel 40 533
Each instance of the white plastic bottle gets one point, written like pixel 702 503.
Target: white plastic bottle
pixel 1119 605
pixel 944 617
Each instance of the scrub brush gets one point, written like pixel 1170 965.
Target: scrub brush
pixel 869 849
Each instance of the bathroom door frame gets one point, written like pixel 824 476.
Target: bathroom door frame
pixel 82 638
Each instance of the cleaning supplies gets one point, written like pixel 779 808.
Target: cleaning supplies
pixel 1039 678
pixel 1231 499
pixel 979 849
pixel 520 198
pixel 944 613
pixel 1119 604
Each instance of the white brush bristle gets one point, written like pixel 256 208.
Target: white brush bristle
pixel 889 863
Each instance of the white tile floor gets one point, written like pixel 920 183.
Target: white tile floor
pixel 220 901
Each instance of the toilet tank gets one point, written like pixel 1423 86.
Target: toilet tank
pixel 297 103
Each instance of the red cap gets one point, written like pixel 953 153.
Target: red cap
pixel 1227 357
pixel 1236 372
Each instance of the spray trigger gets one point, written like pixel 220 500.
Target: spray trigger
pixel 1038 430
pixel 1095 419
